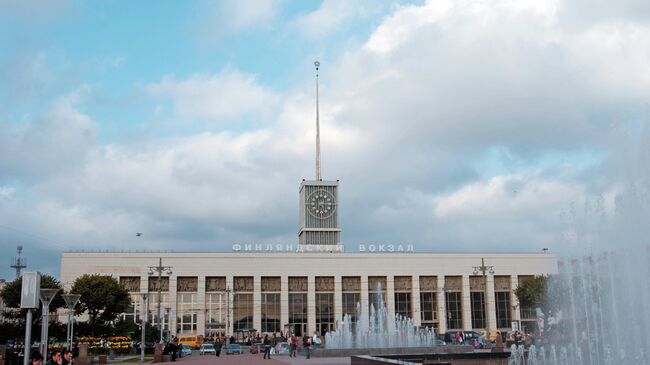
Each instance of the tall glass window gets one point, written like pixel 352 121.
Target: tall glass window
pixel 242 311
pixel 502 299
pixel 403 304
pixel 324 312
pixel 376 291
pixel 428 301
pixel 298 313
pixel 270 312
pixel 428 308
pixel 351 286
pixel 298 305
pixel 454 310
pixel 215 316
pixel 186 313
pixel 350 301
pixel 478 309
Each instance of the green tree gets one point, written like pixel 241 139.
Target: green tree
pixel 10 294
pixel 532 292
pixel 542 292
pixel 102 298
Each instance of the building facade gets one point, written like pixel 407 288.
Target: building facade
pixel 303 292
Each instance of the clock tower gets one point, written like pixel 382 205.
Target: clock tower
pixel 319 213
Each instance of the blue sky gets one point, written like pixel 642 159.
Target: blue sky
pixel 454 126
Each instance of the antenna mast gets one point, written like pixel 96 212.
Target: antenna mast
pixel 18 263
pixel 318 176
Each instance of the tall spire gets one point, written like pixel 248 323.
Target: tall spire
pixel 318 176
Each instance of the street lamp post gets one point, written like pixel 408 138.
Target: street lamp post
pixel 46 297
pixel 70 300
pixel 143 322
pixel 485 270
pixel 159 269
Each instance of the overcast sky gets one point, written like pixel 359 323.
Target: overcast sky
pixel 466 126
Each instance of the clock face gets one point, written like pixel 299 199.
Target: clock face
pixel 321 204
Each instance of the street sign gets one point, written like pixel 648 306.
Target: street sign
pixel 30 292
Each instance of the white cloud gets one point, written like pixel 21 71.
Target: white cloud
pixel 6 193
pixel 51 143
pixel 328 18
pixel 227 94
pixel 507 197
pixel 218 19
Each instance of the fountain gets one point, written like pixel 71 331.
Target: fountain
pixel 378 329
pixel 600 312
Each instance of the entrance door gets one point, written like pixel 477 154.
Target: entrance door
pixel 299 329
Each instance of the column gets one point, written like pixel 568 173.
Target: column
pixel 415 299
pixel 516 312
pixel 229 312
pixel 491 305
pixel 338 298
pixel 467 305
pixel 200 298
pixel 284 302
pixel 440 301
pixel 257 302
pixel 390 295
pixel 311 305
pixel 171 298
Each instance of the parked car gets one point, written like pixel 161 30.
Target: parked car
pixel 207 349
pixel 186 349
pixel 234 348
pixel 468 336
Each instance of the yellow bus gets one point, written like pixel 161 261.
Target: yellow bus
pixel 193 341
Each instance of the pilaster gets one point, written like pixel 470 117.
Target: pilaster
pixel 515 310
pixel 338 299
pixel 171 299
pixel 467 306
pixel 200 299
pixel 257 303
pixel 363 298
pixel 390 295
pixel 440 302
pixel 229 301
pixel 415 300
pixel 491 305
pixel 311 304
pixel 284 302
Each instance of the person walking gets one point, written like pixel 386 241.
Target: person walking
pixel 308 345
pixel 217 346
pixel 267 347
pixel 294 346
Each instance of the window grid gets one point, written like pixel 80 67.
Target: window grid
pixel 454 310
pixel 478 309
pixel 502 299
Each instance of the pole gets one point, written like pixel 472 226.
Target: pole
pixel 143 322
pixel 68 336
pixel 160 269
pixel 28 337
pixel 45 323
pixel 71 332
